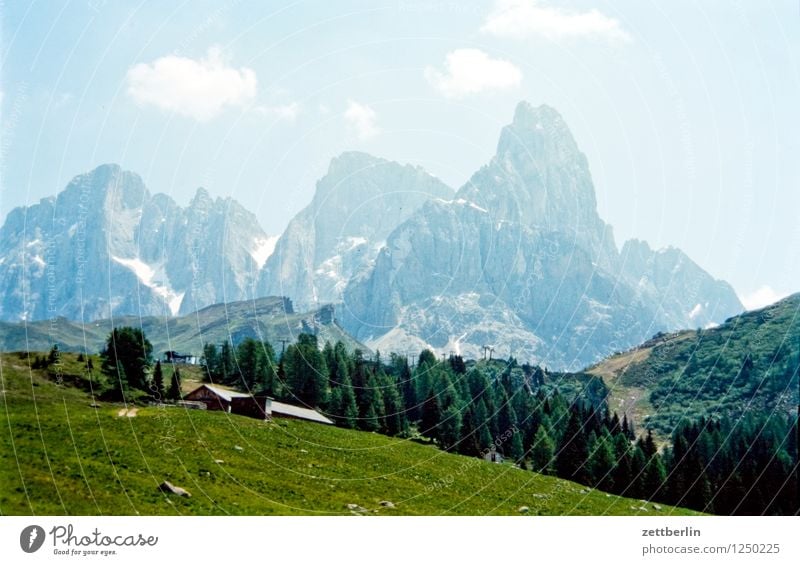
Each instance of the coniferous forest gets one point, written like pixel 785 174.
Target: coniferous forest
pixel 553 423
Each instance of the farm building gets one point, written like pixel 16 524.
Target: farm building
pixel 492 456
pixel 259 406
pixel 175 357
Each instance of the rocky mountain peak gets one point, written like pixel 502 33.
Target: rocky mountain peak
pixel 536 133
pixel 539 178
pixel 107 186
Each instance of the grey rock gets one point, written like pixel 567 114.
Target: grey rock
pixel 105 246
pixel 168 487
pixel 356 205
pixel 520 260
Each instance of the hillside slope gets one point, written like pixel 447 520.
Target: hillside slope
pixel 59 455
pixel 270 319
pixel 748 364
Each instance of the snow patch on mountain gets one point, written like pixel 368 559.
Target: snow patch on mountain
pixel 155 279
pixel 262 249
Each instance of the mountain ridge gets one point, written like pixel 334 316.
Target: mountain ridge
pixel 517 258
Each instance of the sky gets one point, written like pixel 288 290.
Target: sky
pixel 687 111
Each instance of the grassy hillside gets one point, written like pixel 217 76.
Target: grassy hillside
pixel 749 363
pixel 63 453
pixel 264 318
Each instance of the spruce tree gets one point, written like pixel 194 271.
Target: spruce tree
pixel 210 362
pixel 158 382
pixel 602 461
pixel 542 452
pixel 431 415
pixel 516 451
pixel 227 368
pixel 129 349
pixel 448 430
pixel 573 453
pixel 348 409
pixel 174 392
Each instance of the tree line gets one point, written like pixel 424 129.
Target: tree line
pixel 549 422
pixel 744 466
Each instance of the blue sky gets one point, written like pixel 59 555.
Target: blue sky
pixel 686 110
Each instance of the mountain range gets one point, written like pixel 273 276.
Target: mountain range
pixel 517 259
pixel 105 246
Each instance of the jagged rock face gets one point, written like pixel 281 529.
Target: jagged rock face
pixel 356 205
pixel 518 259
pixel 105 246
pixel 539 178
pixel 521 261
pixel 686 295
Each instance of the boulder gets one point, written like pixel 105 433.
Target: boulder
pixel 169 488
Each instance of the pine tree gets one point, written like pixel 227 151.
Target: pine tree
pixel 370 421
pixel 573 453
pixel 211 363
pixel 306 372
pixel 127 355
pixel 655 477
pixel 431 415
pixel 227 369
pixel 348 409
pixel 159 390
pixel 54 355
pixel 638 464
pixel 622 477
pixel 265 370
pixel 174 392
pixel 448 430
pixel 516 451
pixel 469 442
pixel 602 461
pixel 627 428
pixel 394 420
pixel 542 452
pixel 246 364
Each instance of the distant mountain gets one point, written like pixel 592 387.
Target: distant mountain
pixel 356 205
pixel 678 288
pixel 520 261
pixel 517 260
pixel 272 319
pixel 749 364
pixel 106 247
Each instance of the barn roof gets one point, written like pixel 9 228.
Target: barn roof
pixel 224 393
pixel 298 412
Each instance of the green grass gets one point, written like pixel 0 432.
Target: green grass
pixel 264 318
pixel 59 456
pixel 747 364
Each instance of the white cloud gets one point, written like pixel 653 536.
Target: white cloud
pixel 521 18
pixel 761 297
pixel 471 71
pixel 362 119
pixel 287 112
pixel 197 89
